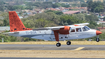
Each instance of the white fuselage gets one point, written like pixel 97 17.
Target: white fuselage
pixel 49 34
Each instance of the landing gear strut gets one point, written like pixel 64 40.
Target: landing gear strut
pixel 68 43
pixel 58 44
pixel 97 39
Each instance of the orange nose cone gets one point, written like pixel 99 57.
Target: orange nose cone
pixel 98 32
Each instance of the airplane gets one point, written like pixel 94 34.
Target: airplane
pixel 58 33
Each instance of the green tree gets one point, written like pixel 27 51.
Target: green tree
pixel 8 38
pixel 69 20
pixel 64 5
pixel 84 5
pixel 58 12
pixel 99 8
pixel 96 6
pixel 37 4
pixel 10 7
pixel 93 25
pixel 46 5
pixel 5 19
pixel 55 5
pixel 90 18
pixel 18 7
pixel 41 23
pixel 5 22
pixel 79 16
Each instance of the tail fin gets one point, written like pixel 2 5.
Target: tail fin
pixel 15 22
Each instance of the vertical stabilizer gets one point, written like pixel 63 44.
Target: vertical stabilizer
pixel 15 22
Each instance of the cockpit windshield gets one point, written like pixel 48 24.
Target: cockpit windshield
pixel 86 28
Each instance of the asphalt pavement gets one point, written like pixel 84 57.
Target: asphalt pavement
pixel 49 47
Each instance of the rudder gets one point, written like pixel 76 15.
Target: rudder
pixel 15 22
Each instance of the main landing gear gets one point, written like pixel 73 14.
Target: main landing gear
pixel 59 44
pixel 68 43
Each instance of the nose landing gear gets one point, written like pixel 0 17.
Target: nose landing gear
pixel 97 39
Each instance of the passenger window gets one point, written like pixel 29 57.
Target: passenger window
pixel 72 30
pixel 78 30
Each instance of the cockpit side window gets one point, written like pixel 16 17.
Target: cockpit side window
pixel 85 28
pixel 78 30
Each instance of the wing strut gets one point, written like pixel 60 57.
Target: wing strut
pixel 56 35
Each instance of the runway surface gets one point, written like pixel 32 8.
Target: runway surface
pixel 49 58
pixel 50 47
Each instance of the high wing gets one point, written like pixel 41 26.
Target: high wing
pixel 58 27
pixel 82 24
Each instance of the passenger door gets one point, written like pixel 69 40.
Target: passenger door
pixel 72 33
pixel 78 33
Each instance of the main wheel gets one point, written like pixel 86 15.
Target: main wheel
pixel 97 39
pixel 58 44
pixel 68 43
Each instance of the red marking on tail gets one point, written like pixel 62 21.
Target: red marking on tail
pixel 15 22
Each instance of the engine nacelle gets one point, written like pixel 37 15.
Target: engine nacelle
pixel 64 30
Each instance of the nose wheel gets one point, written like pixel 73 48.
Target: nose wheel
pixel 68 43
pixel 97 39
pixel 58 44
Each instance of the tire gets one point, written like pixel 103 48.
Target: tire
pixel 58 44
pixel 68 43
pixel 97 39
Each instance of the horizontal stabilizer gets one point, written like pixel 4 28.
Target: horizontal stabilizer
pixel 41 29
pixel 11 33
